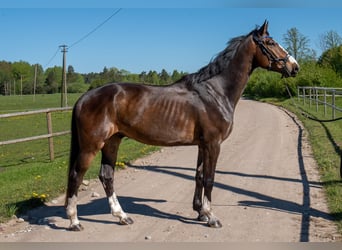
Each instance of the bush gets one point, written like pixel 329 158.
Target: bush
pixel 77 87
pixel 263 84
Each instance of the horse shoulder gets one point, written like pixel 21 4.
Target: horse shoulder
pixel 216 115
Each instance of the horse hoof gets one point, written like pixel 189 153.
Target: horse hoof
pixel 76 228
pixel 214 223
pixel 126 221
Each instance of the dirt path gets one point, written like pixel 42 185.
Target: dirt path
pixel 266 189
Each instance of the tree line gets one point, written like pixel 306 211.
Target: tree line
pixel 326 70
pixel 21 78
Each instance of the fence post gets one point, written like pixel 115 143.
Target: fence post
pixel 316 90
pixel 333 103
pixel 325 102
pixel 50 139
pixel 310 96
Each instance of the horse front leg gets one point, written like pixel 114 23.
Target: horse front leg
pixel 210 156
pixel 106 176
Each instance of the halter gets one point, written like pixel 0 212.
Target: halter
pixel 271 57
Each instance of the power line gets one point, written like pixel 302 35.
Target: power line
pixel 95 29
pixel 53 57
pixel 84 37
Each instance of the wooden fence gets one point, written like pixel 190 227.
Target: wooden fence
pixel 325 97
pixel 49 134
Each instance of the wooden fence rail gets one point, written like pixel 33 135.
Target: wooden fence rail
pixel 50 133
pixel 320 96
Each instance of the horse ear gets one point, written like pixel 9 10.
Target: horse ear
pixel 263 29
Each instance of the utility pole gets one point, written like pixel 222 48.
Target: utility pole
pixel 35 82
pixel 21 85
pixel 64 98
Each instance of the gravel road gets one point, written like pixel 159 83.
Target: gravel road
pixel 266 189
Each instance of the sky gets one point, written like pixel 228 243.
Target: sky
pixel 153 36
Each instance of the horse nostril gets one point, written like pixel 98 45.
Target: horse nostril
pixel 295 69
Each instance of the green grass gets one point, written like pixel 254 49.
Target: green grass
pixel 26 126
pixel 326 143
pixel 10 104
pixel 27 176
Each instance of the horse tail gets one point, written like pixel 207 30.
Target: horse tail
pixel 74 150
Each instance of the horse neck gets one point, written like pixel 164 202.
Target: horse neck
pixel 236 76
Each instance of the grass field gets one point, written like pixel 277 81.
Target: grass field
pixel 326 142
pixel 10 104
pixel 27 176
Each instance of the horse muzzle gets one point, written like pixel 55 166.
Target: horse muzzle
pixel 291 71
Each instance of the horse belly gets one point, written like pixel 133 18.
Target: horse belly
pixel 164 123
pixel 164 132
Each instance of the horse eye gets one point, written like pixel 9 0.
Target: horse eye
pixel 271 42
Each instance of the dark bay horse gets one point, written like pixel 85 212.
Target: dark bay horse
pixel 196 110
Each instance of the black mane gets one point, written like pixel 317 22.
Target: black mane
pixel 217 65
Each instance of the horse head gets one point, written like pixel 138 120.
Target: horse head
pixel 271 55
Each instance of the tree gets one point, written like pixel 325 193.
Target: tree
pixel 5 77
pixel 143 77
pixel 152 77
pixel 298 45
pixel 330 39
pixel 164 77
pixel 73 77
pixel 71 69
pixel 23 72
pixel 177 75
pixel 332 58
pixel 53 79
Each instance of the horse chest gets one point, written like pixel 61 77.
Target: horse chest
pixel 217 123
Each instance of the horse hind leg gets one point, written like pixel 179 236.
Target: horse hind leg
pixel 106 176
pixel 75 178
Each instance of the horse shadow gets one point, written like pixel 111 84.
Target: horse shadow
pixel 135 205
pixel 264 201
pixel 131 205
pixel 47 215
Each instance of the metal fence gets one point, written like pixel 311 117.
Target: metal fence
pixel 320 96
pixel 49 134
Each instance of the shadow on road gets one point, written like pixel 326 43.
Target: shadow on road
pixel 131 205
